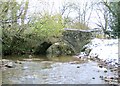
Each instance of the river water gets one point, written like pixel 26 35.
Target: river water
pixel 56 70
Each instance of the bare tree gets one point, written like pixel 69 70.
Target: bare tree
pixel 103 17
pixel 84 12
pixel 81 11
pixel 113 8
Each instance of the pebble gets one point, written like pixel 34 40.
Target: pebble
pixel 98 71
pixel 106 80
pixel 93 78
pixel 100 66
pixel 101 77
pixel 18 62
pixel 105 71
pixel 111 78
pixel 111 70
pixel 105 77
pixel 78 66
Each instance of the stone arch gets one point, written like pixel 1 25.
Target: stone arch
pixel 75 39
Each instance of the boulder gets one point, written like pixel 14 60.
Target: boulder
pixel 58 49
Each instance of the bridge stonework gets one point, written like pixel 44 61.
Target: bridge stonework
pixel 76 39
pixel 72 40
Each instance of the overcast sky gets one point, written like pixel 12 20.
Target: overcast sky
pixel 35 5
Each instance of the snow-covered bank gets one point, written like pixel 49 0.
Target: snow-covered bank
pixel 104 49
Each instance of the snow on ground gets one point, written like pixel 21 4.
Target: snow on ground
pixel 104 49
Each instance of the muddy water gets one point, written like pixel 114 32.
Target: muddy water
pixel 57 70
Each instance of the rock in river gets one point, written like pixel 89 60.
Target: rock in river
pixel 10 65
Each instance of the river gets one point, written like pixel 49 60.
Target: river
pixel 56 70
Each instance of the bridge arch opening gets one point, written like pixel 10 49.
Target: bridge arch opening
pixel 42 48
pixel 56 49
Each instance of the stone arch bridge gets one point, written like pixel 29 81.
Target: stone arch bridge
pixel 74 38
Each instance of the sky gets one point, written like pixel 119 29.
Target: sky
pixel 40 5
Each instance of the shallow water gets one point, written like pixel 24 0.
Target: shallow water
pixel 57 70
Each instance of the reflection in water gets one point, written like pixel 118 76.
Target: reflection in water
pixel 57 70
